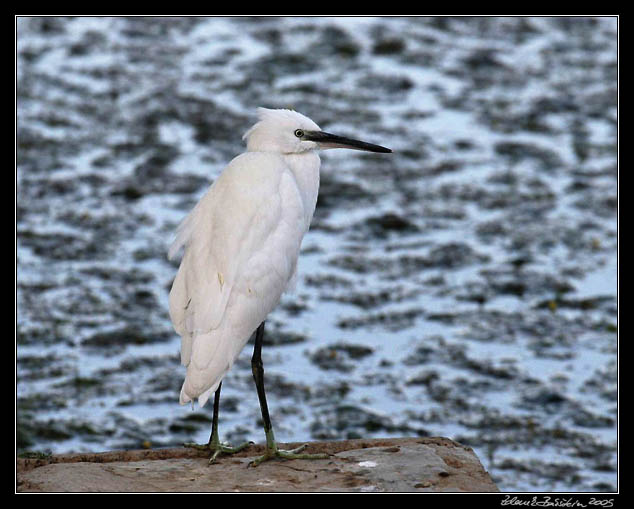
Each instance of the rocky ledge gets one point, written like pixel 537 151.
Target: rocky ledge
pixel 372 465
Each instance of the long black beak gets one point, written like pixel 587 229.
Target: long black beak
pixel 327 140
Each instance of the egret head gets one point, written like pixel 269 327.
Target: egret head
pixel 289 132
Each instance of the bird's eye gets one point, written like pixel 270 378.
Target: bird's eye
pixel 299 133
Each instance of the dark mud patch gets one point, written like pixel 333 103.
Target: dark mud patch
pixel 339 356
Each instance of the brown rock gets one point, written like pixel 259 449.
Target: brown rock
pixel 380 465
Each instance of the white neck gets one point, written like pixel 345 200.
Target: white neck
pixel 305 167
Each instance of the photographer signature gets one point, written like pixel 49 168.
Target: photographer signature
pixel 548 501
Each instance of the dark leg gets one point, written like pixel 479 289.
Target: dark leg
pixel 271 446
pixel 258 375
pixel 214 444
pixel 214 419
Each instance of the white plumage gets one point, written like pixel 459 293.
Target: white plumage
pixel 242 241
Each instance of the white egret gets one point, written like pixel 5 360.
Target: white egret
pixel 242 241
